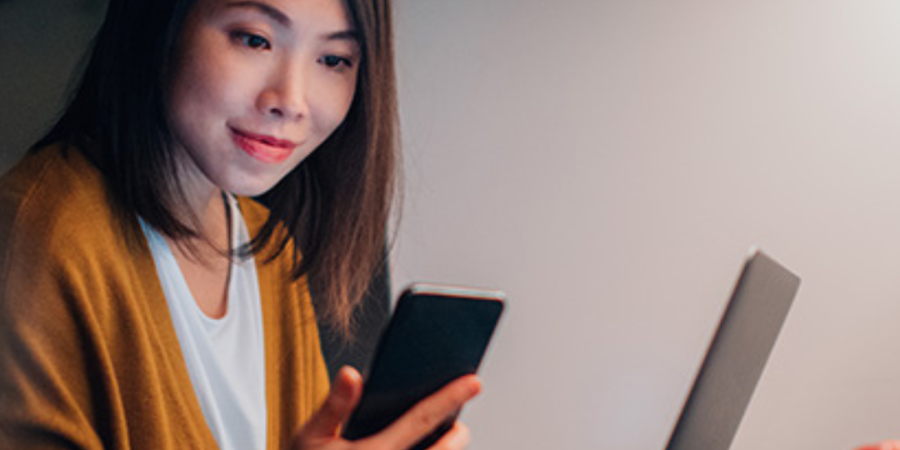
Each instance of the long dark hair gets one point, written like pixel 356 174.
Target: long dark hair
pixel 333 209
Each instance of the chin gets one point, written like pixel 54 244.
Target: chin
pixel 252 182
pixel 252 192
pixel 252 189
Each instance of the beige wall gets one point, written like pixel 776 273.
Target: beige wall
pixel 608 163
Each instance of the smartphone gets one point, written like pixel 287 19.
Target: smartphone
pixel 436 334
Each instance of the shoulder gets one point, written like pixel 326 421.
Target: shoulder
pixel 55 230
pixel 52 190
pixel 54 209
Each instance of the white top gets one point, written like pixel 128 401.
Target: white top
pixel 225 357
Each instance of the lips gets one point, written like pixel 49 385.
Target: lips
pixel 267 149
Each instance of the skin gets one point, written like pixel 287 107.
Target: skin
pixel 248 74
pixel 321 432
pixel 258 86
pixel 886 445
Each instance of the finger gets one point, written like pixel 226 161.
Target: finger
pixel 426 415
pixel 455 439
pixel 886 445
pixel 345 393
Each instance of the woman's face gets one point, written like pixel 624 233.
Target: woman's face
pixel 257 86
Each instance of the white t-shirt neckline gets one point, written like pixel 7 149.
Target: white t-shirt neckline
pixel 225 356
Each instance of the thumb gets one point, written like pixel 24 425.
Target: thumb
pixel 345 393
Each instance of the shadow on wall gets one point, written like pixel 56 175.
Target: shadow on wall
pixel 41 43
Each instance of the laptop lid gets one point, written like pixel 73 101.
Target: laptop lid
pixel 736 357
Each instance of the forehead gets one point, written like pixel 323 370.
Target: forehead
pixel 328 15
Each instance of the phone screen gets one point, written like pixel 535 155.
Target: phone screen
pixel 436 335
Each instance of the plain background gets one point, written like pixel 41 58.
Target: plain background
pixel 608 164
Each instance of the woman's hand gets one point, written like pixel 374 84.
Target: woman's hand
pixel 321 432
pixel 886 445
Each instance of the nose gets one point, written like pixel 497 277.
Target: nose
pixel 285 94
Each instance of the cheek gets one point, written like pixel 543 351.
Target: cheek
pixel 203 104
pixel 334 104
pixel 188 97
pixel 201 87
pixel 207 82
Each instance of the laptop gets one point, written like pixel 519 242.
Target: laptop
pixel 736 357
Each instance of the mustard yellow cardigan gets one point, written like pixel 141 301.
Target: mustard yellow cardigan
pixel 89 358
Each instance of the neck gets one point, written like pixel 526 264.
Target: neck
pixel 203 208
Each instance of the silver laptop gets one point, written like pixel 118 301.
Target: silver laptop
pixel 736 357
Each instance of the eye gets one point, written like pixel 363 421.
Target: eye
pixel 251 40
pixel 334 61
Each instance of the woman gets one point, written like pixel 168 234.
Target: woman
pixel 145 300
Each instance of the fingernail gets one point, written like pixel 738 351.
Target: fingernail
pixel 474 387
pixel 350 372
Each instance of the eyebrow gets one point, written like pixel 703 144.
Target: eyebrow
pixel 347 35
